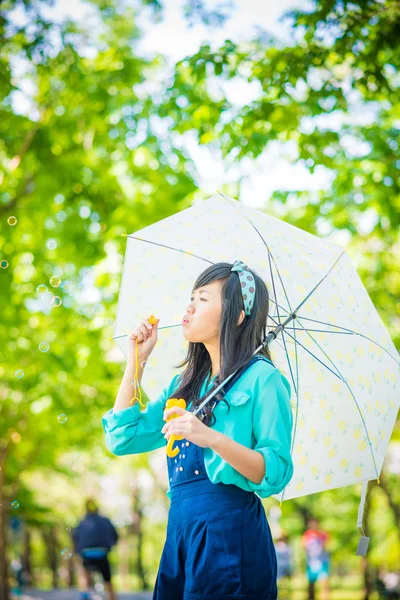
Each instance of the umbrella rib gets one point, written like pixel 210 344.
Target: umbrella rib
pixel 290 368
pixel 350 331
pixel 319 283
pixel 319 330
pixel 353 396
pixel 323 323
pixel 271 273
pixel 296 388
pixel 134 237
pixel 280 306
pixel 295 383
pixel 122 279
pixel 269 256
pixel 313 355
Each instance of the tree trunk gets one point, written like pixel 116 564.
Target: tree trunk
pixel 304 512
pixel 4 590
pixel 52 553
pixel 71 572
pixel 27 560
pixel 123 562
pixel 392 502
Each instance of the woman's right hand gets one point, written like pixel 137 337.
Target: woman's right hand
pixel 146 335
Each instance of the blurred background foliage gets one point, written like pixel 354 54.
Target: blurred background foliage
pixel 102 151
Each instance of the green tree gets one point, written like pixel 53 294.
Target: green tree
pixel 75 172
pixel 343 62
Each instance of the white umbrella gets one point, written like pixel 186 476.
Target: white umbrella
pixel 334 349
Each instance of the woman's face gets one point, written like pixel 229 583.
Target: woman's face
pixel 203 315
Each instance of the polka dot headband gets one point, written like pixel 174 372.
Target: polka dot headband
pixel 247 285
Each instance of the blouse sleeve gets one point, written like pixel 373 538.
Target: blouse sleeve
pixel 132 431
pixel 272 430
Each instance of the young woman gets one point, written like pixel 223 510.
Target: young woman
pixel 218 544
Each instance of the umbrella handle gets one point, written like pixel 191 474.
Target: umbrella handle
pixel 171 402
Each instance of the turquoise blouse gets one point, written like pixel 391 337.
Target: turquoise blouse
pixel 260 417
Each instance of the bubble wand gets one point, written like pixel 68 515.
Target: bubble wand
pixel 136 384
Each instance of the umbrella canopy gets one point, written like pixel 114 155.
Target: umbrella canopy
pixel 335 351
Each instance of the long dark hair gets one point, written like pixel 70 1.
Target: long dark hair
pixel 237 342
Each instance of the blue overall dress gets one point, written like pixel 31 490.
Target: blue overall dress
pixel 218 544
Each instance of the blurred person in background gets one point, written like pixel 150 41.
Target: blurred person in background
pixel 387 584
pixel 93 539
pixel 284 557
pixel 314 541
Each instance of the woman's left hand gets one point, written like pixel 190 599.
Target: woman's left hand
pixel 188 426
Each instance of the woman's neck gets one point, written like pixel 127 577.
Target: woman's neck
pixel 213 350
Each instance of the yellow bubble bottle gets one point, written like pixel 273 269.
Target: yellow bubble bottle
pixel 171 402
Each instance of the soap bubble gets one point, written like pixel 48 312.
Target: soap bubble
pixel 51 244
pixel 12 221
pixel 19 373
pixel 143 364
pixel 55 281
pixel 3 264
pixel 41 289
pixel 66 553
pixel 62 418
pixel 15 504
pixel 136 385
pixel 56 301
pixel 68 529
pixel 67 287
pixel 44 346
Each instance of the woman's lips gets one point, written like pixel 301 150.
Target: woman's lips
pixel 185 321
